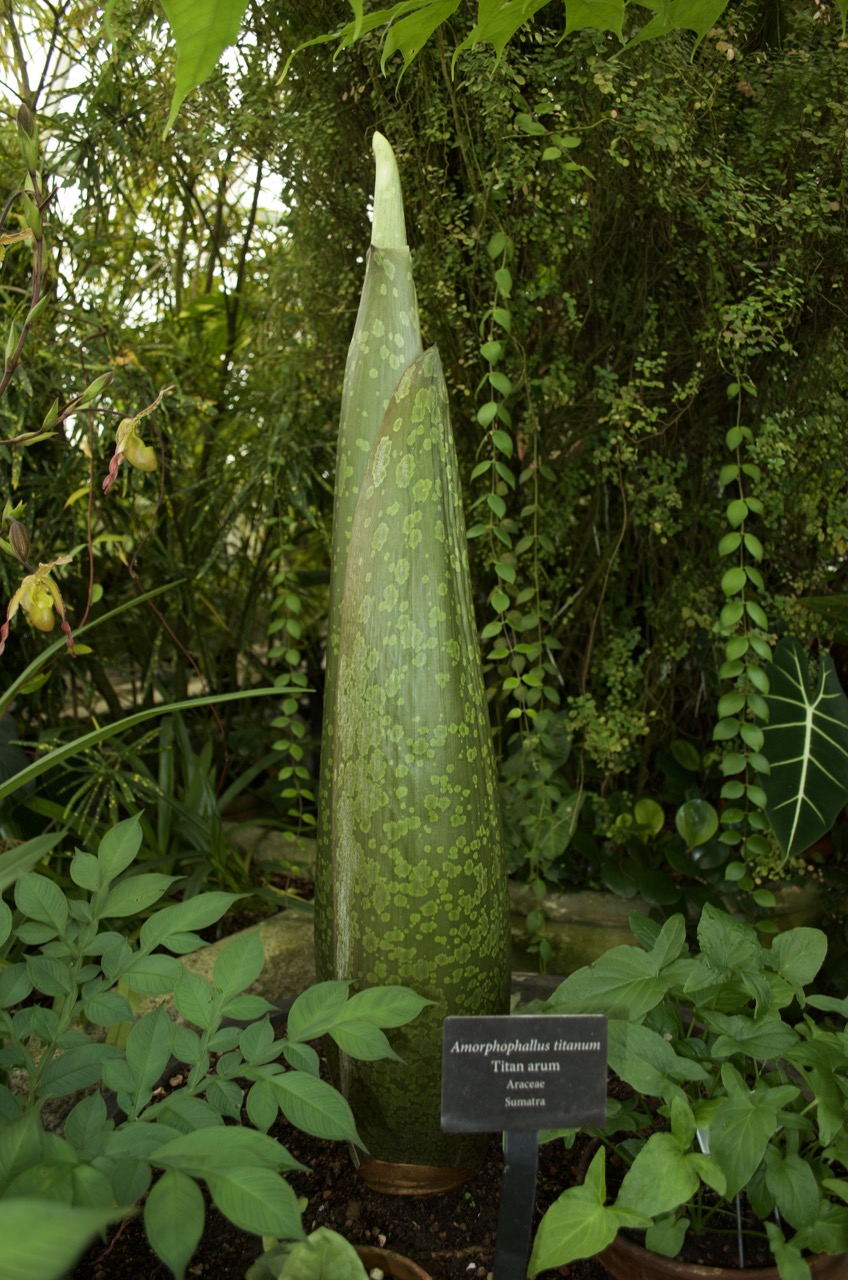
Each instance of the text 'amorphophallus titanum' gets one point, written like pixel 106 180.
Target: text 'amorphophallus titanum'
pixel 411 879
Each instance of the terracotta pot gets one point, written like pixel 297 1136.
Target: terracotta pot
pixel 625 1260
pixel 392 1265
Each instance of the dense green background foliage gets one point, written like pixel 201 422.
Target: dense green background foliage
pixel 607 246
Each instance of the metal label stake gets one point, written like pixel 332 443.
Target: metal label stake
pixel 518 1074
pixel 518 1198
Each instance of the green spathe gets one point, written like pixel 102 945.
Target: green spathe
pixel 386 339
pixel 419 883
pixel 410 875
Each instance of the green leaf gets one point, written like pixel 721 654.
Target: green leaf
pixel 798 955
pixel 15 985
pixel 315 1106
pixel 15 861
pixel 733 581
pixel 302 1056
pixel 409 35
pixel 257 1200
pixel 324 1255
pixel 692 15
pixel 503 279
pixel 107 1008
pixel 392 1006
pixel 76 1069
pixel 202 30
pixel 133 896
pixel 316 1009
pixel 246 1008
pixel 195 999
pixel 195 913
pixel 174 1216
pixel 149 1048
pixel 238 964
pixel 623 983
pixel 696 822
pixel 88 1127
pixel 50 977
pixel 579 1224
pixel 364 1041
pixel 86 871
pixel 21 1145
pixel 737 512
pixel 761 1039
pixel 503 441
pixel 217 1148
pixel 119 847
pixel 806 744
pixel 594 15
pixel 42 1239
pixel 660 1178
pixel 791 1181
pixel 646 1061
pixel 262 1105
pixel 40 899
pixel 152 975
pixel 743 1124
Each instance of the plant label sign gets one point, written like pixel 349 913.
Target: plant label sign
pixel 524 1071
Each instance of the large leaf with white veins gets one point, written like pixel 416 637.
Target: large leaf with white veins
pixel 806 745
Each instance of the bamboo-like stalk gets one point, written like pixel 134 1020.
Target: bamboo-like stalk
pixel 411 884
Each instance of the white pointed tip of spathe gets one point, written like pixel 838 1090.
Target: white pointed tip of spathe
pixel 389 229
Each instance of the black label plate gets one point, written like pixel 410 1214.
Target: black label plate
pixel 524 1071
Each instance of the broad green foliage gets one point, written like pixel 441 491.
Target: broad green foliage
pixel 73 954
pixel 727 1094
pixel 203 28
pixel 411 878
pixel 806 745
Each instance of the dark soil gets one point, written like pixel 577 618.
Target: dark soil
pixel 452 1236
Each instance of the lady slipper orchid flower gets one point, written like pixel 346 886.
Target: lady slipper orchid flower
pixel 38 596
pixel 129 445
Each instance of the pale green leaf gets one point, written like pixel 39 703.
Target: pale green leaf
pixel 202 30
pixel 174 1215
pixel 257 1200
pixel 238 964
pixel 315 1106
pixel 40 899
pixel 133 896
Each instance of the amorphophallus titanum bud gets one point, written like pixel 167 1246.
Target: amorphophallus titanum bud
pixel 410 879
pixel 39 597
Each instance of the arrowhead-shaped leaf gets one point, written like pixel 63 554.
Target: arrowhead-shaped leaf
pixel 806 745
